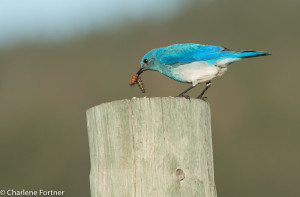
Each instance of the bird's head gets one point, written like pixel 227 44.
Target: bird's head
pixel 149 61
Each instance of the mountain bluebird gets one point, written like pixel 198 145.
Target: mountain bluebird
pixel 192 63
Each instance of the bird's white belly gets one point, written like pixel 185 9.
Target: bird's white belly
pixel 199 72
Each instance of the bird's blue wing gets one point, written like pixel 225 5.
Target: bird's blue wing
pixel 186 53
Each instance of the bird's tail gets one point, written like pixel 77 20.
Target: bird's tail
pixel 249 53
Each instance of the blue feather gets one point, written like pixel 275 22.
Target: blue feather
pixel 187 53
pixel 246 54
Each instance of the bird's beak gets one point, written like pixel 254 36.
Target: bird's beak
pixel 140 71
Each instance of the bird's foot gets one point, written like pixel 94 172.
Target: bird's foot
pixel 185 96
pixel 204 98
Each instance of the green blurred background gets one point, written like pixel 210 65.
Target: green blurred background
pixel 46 87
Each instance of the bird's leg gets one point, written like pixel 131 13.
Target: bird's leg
pixel 182 93
pixel 208 84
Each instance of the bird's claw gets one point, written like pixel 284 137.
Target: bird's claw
pixel 202 98
pixel 185 96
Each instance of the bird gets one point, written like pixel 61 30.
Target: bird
pixel 192 63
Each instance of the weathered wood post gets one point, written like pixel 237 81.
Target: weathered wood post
pixel 151 147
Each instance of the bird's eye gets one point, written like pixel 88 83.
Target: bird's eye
pixel 145 61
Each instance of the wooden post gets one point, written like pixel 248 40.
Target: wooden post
pixel 147 147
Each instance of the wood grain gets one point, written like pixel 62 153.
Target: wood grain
pixel 151 147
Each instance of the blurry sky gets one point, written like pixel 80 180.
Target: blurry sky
pixel 52 19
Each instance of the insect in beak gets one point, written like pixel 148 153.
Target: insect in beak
pixel 137 79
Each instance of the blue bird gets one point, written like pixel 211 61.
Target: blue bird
pixel 193 63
